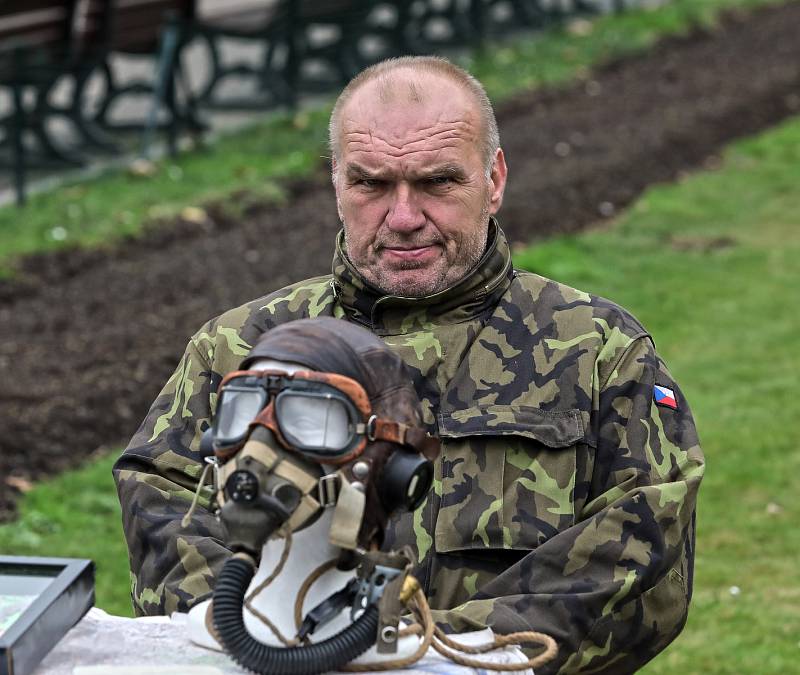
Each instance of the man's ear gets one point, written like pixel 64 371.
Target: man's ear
pixel 497 180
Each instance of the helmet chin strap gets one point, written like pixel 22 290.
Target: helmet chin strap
pixel 348 514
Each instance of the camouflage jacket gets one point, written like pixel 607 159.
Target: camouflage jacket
pixel 563 500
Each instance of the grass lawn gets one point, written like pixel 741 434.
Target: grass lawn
pixel 250 164
pixel 710 266
pixel 77 515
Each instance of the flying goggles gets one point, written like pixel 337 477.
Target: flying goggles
pixel 325 416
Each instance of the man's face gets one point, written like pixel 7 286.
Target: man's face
pixel 411 187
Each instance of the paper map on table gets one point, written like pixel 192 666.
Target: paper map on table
pixel 11 606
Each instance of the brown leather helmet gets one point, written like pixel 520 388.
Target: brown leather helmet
pixel 329 345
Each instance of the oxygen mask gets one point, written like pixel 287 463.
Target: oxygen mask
pixel 317 440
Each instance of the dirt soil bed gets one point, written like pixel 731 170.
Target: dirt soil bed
pixel 88 338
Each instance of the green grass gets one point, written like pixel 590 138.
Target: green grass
pixel 235 171
pixel 711 267
pixel 250 164
pixel 77 515
pixel 567 51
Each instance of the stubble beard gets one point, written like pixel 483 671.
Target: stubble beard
pixel 443 276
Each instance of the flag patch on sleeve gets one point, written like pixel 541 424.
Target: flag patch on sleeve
pixel 665 396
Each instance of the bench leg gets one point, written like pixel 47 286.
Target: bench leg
pixel 477 22
pixel 41 113
pixel 18 148
pixel 215 67
pixel 90 132
pixel 189 115
pixel 169 73
pixel 112 91
pixel 275 80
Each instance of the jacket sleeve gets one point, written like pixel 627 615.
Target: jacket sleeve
pixel 172 567
pixel 614 588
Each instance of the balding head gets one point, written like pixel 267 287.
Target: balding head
pixel 418 172
pixel 413 80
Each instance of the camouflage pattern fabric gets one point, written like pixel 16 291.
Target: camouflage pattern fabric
pixel 564 497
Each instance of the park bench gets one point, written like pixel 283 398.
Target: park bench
pixel 326 35
pixel 36 50
pixel 308 45
pixel 157 30
pixel 44 41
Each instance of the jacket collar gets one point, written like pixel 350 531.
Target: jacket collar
pixel 392 314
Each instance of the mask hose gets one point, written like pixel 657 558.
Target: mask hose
pixel 320 657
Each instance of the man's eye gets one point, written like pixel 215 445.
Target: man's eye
pixel 369 182
pixel 439 180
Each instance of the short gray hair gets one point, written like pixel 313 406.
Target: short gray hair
pixel 421 64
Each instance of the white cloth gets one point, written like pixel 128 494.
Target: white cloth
pixel 101 644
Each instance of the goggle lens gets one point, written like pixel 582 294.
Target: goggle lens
pixel 237 408
pixel 314 422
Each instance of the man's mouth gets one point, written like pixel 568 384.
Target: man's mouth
pixel 411 254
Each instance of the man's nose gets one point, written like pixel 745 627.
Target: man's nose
pixel 405 213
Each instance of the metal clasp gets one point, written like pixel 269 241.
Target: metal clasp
pixel 371 589
pixel 214 462
pixel 372 427
pixel 328 490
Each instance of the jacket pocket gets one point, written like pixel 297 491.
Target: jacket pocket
pixel 507 476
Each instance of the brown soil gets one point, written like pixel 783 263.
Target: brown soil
pixel 87 338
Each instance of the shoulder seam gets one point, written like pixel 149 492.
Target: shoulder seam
pixel 634 340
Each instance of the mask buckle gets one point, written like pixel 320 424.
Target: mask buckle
pixel 328 490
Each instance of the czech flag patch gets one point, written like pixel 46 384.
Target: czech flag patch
pixel 664 396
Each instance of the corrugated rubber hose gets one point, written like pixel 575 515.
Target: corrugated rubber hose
pixel 320 657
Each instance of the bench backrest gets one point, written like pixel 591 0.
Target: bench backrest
pixel 329 10
pixel 131 26
pixel 36 24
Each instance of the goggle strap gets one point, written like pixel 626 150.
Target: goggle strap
pixel 378 429
pixel 428 446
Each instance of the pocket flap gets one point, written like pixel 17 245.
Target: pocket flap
pixel 553 428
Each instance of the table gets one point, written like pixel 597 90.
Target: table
pixel 102 644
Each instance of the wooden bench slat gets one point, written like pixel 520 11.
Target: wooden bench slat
pixel 45 29
pixel 24 20
pixel 42 35
pixel 180 6
pixel 249 19
pixel 11 7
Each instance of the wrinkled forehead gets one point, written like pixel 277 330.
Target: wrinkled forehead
pixel 401 109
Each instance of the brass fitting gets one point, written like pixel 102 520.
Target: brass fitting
pixel 410 587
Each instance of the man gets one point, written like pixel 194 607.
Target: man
pixel 564 496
